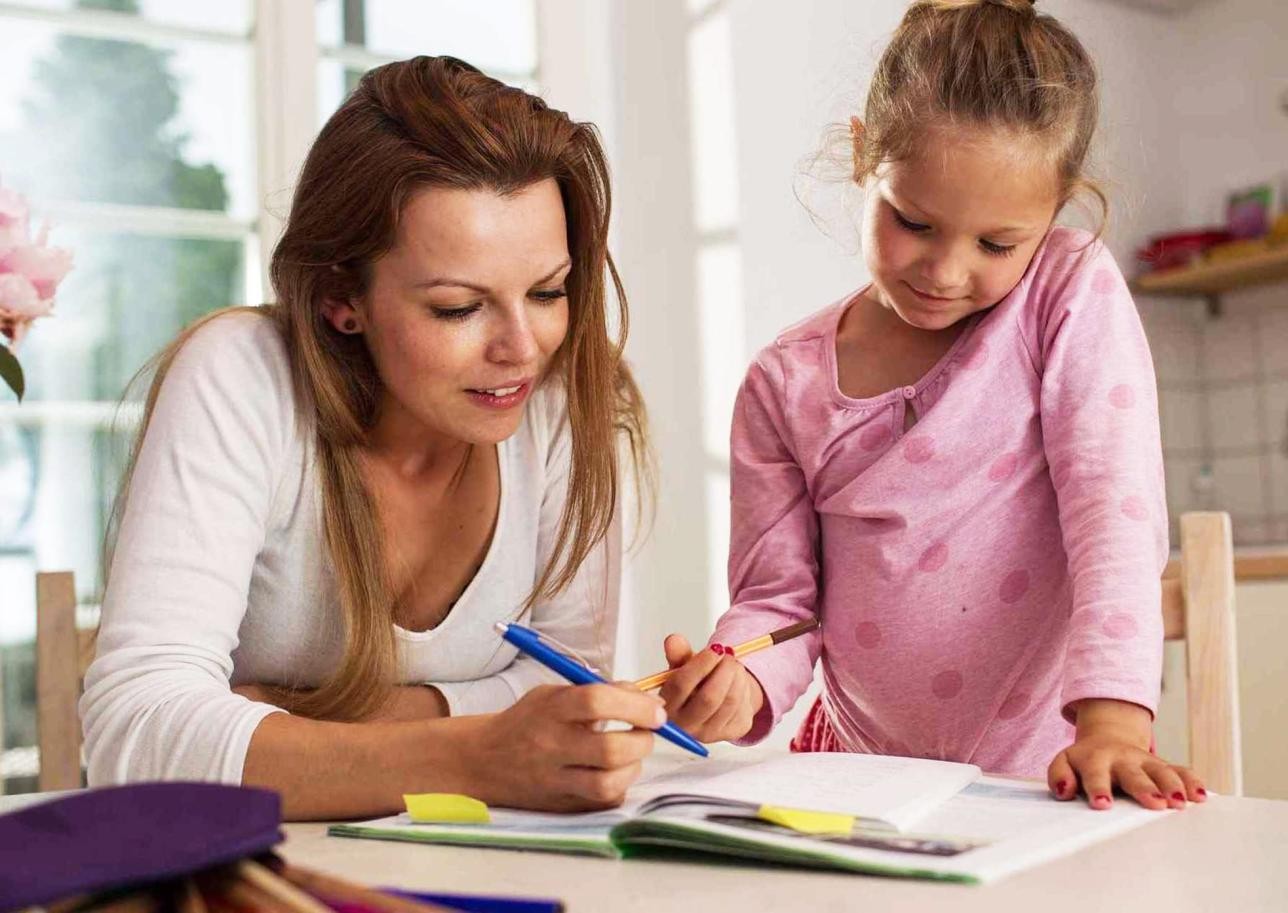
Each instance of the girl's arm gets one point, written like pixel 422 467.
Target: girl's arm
pixel 1099 414
pixel 773 551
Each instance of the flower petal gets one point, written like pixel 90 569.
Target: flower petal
pixel 18 296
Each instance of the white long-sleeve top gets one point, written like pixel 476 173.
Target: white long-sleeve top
pixel 221 575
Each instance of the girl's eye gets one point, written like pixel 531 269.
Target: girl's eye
pixel 455 313
pixel 549 295
pixel 996 250
pixel 908 224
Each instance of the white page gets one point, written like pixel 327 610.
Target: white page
pixel 1018 824
pixel 899 791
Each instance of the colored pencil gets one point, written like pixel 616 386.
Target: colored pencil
pixel 658 679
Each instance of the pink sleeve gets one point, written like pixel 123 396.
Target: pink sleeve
pixel 773 546
pixel 1099 413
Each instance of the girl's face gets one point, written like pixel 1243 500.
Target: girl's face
pixel 466 311
pixel 950 231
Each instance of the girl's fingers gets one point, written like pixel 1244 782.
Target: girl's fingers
pixel 1135 782
pixel 1097 781
pixel 1193 785
pixel 688 678
pixel 709 697
pixel 1061 779
pixel 1169 782
pixel 727 722
pixel 677 650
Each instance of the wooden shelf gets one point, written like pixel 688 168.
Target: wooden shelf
pixel 1213 279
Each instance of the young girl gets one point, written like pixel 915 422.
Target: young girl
pixel 958 467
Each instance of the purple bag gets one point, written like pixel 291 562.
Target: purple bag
pixel 102 839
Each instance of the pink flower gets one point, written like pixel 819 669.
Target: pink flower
pixel 20 299
pixel 43 266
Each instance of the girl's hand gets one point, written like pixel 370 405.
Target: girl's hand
pixel 1112 749
pixel 713 697
pixel 548 752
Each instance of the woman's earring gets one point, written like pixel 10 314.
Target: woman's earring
pixel 350 325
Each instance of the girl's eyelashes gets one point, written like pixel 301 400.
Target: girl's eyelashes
pixel 917 228
pixel 907 224
pixel 996 250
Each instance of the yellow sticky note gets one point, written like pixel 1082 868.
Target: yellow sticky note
pixel 445 808
pixel 807 822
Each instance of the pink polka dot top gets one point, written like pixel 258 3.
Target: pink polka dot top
pixel 982 570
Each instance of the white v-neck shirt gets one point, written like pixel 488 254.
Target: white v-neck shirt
pixel 221 575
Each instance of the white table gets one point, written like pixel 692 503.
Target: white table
pixel 1227 855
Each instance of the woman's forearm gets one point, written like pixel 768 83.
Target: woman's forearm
pixel 346 770
pixel 405 703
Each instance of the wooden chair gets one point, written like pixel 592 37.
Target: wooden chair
pixel 1198 607
pixel 62 655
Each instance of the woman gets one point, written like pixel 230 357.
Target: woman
pixel 334 499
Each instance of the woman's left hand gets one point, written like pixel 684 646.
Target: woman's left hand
pixel 1111 750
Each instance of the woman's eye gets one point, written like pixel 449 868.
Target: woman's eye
pixel 996 250
pixel 908 224
pixel 550 294
pixel 459 313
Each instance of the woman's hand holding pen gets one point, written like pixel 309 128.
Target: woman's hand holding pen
pixel 546 750
pixel 712 696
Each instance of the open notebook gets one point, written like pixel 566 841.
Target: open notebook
pixel 912 817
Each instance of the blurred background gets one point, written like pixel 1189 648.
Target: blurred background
pixel 160 138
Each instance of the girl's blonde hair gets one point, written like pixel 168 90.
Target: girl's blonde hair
pixel 984 63
pixel 433 122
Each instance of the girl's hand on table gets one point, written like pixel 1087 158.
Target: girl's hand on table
pixel 1111 750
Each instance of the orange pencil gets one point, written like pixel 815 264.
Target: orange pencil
pixel 751 646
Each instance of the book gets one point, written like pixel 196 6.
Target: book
pixel 911 817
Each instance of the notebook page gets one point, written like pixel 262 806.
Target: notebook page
pixel 1000 826
pixel 898 791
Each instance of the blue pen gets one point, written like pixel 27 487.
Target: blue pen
pixel 530 642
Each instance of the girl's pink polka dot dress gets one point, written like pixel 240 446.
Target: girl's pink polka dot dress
pixel 980 571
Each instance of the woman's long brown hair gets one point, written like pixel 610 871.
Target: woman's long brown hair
pixel 433 122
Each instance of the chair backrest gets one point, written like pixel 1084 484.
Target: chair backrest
pixel 1198 607
pixel 62 655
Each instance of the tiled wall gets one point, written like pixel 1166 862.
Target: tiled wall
pixel 1223 401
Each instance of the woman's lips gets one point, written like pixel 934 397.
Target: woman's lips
pixel 503 397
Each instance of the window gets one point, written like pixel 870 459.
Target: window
pixel 139 130
pixel 714 163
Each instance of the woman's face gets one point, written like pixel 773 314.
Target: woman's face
pixel 466 311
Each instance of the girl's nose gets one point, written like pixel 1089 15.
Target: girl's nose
pixel 945 270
